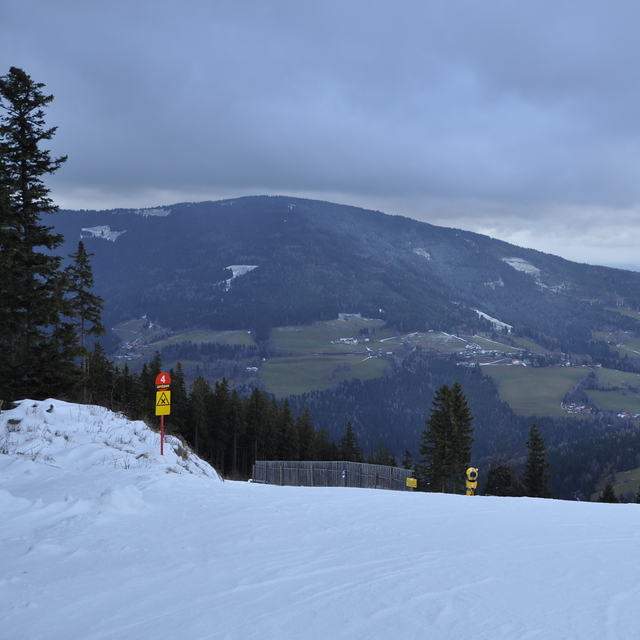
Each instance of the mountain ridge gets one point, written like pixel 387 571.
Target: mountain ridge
pixel 315 259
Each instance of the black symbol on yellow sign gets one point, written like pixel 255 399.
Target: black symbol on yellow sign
pixel 163 402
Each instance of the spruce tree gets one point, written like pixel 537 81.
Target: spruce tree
pixel 86 307
pixel 350 450
pixel 38 348
pixel 536 475
pixel 446 441
pixel 608 494
pixel 407 461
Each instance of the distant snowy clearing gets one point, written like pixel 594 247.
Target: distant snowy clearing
pixel 91 548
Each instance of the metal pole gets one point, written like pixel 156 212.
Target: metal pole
pixel 161 435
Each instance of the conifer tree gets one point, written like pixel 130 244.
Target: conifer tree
pixel 200 401
pixel 238 426
pixel 446 441
pixel 100 385
pixel 326 449
pixel 86 307
pixel 536 475
pixel 288 436
pixel 608 494
pixel 407 461
pixel 307 436
pixel 350 449
pixel 179 417
pixel 38 349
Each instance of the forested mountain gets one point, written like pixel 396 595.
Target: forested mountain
pixel 256 263
pixel 313 260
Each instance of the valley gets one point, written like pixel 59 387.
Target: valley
pixel 304 358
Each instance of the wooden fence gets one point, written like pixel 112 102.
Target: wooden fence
pixel 331 474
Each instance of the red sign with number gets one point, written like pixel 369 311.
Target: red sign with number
pixel 163 380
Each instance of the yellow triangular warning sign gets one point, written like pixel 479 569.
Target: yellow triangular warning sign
pixel 163 402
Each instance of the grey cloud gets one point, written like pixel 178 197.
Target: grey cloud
pixel 518 103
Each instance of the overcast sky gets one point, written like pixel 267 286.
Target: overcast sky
pixel 518 119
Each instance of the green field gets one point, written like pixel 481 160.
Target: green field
pixel 130 330
pixel 223 337
pixel 524 343
pixel 429 340
pixel 535 391
pixel 625 481
pixel 632 346
pixel 615 401
pixel 296 375
pixel 618 378
pixel 625 312
pixel 325 336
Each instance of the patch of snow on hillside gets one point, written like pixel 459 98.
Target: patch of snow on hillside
pixel 498 324
pixel 152 212
pixel 239 270
pixel 424 253
pixel 102 231
pixel 522 265
pixel 495 283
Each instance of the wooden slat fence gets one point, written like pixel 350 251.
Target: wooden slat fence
pixel 331 474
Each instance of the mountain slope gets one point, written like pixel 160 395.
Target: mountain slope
pixel 314 260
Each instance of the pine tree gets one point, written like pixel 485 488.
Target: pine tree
pixel 288 436
pixel 536 475
pixel 446 441
pixel 100 385
pixel 407 461
pixel 608 494
pixel 238 425
pixel 178 420
pixel 200 401
pixel 307 436
pixel 86 307
pixel 38 349
pixel 503 480
pixel 349 446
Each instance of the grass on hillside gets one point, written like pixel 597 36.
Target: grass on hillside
pixel 632 347
pixel 318 337
pixel 524 343
pixel 198 336
pixel 625 312
pixel 296 375
pixel 625 481
pixel 533 391
pixel 617 378
pixel 615 401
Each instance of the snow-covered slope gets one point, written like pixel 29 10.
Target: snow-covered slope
pixel 102 538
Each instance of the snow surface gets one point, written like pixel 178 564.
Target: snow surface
pixel 494 321
pixel 522 265
pixel 102 538
pixel 102 231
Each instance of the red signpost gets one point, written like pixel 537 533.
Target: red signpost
pixel 163 403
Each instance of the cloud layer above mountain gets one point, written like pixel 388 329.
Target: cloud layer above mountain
pixel 512 118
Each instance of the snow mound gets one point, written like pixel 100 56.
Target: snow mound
pixel 75 438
